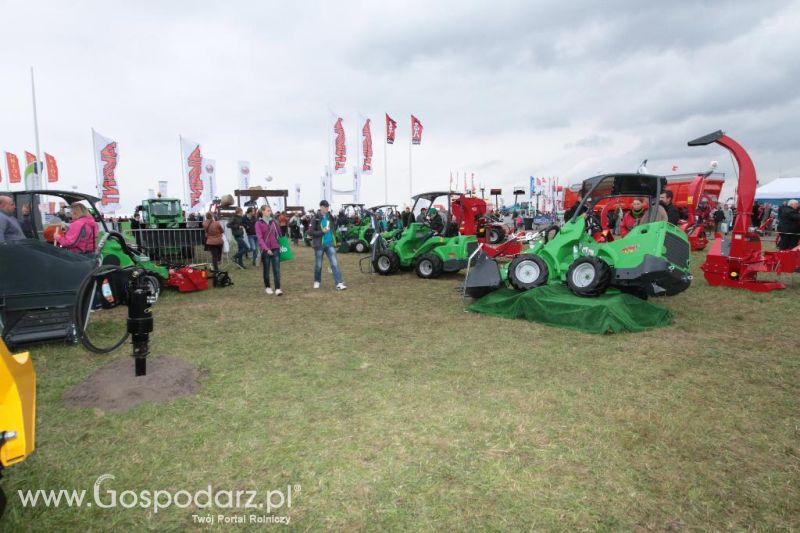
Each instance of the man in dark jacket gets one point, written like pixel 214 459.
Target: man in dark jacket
pixel 323 229
pixel 672 212
pixel 236 225
pixel 569 213
pixel 249 224
pixel 789 226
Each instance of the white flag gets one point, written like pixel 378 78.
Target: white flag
pixel 192 169
pixel 151 194
pixel 244 175
pixel 162 188
pixel 209 177
pixel 339 145
pixel 106 158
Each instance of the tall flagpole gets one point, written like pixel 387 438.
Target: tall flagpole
pixel 410 166
pixel 385 166
pixel 183 181
pixel 96 175
pixel 36 133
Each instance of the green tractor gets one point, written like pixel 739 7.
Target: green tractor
pixel 651 260
pixel 160 217
pixel 161 213
pixel 430 246
pixel 351 235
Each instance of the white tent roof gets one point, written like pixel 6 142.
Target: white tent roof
pixel 779 189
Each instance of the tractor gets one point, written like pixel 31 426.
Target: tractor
pixel 166 237
pixel 651 260
pixel 350 234
pixel 430 246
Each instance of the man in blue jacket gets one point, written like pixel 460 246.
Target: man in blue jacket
pixel 323 228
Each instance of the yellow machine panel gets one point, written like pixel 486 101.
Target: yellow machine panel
pixel 17 406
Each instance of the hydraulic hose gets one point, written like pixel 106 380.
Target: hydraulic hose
pixel 85 299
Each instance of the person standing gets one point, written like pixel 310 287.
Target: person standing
pixel 249 224
pixel 673 216
pixel 213 230
pixel 236 226
pixel 789 226
pixel 322 230
pixel 10 230
pixel 283 221
pixel 294 228
pixel 268 232
pixel 81 237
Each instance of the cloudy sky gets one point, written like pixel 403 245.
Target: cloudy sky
pixel 505 89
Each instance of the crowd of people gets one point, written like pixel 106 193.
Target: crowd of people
pixel 258 232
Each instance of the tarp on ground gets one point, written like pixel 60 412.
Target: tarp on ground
pixel 556 305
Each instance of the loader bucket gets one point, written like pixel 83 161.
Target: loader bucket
pixel 483 277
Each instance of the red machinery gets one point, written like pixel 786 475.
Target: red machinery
pixel 735 261
pixel 188 279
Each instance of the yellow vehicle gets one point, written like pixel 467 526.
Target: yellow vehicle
pixel 17 409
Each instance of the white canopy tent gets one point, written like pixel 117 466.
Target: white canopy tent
pixel 779 189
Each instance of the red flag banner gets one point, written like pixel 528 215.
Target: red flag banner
pixel 366 147
pixel 29 158
pixel 391 128
pixel 416 130
pixel 340 147
pixel 14 175
pixel 52 168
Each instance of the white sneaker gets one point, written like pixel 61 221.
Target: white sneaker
pixel 278 292
pixel 341 286
pixel 269 290
pixel 316 284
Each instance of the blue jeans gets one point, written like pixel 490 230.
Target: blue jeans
pixel 275 261
pixel 253 241
pixel 330 251
pixel 241 249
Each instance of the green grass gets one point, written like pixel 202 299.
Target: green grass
pixel 394 409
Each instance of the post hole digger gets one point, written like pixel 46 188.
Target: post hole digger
pixel 651 260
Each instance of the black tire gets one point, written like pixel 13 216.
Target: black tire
pixel 361 248
pixel 495 235
pixel 589 276
pixel 386 263
pixel 429 266
pixel 527 271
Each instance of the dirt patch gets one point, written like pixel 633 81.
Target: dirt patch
pixel 114 387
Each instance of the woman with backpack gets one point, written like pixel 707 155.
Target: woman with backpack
pixel 214 239
pixel 268 232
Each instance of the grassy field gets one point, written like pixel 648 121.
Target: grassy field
pixel 388 407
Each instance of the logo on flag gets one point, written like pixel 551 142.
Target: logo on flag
pixel 391 127
pixel 12 163
pixel 194 161
pixel 366 133
pixel 106 157
pixel 52 168
pixel 209 178
pixel 192 169
pixel 340 158
pixel 416 130
pixel 533 186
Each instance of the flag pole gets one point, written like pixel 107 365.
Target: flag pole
pixel 36 131
pixel 385 168
pixel 183 181
pixel 410 166
pixel 96 175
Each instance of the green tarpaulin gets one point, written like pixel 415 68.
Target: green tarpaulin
pixel 555 305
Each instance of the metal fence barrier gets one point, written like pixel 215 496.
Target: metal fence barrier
pixel 176 246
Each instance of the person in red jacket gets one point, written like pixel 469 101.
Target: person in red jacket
pixel 633 217
pixel 81 237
